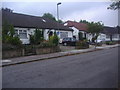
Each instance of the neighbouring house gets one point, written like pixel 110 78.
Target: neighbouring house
pixel 107 34
pixel 79 29
pixel 110 33
pixel 25 25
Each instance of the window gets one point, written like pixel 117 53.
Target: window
pixel 23 34
pixel 63 34
pixel 16 32
pixel 107 36
pixel 115 36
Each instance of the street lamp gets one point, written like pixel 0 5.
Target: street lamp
pixel 58 16
pixel 58 10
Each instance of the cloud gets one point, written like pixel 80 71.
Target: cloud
pixel 108 17
pixel 91 11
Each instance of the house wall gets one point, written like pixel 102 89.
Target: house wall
pixel 30 31
pixel 101 37
pixel 24 40
pixel 61 34
pixel 76 33
pixel 104 37
pixel 115 37
pixel 89 36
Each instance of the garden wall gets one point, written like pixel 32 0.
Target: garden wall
pixel 12 53
pixel 47 50
pixel 21 52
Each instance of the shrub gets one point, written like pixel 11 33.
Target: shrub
pixel 13 40
pixel 37 38
pixel 110 42
pixel 82 45
pixel 32 41
pixel 45 44
pixel 54 39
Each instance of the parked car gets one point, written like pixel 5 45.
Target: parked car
pixel 69 41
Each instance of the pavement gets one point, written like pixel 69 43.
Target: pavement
pixel 26 59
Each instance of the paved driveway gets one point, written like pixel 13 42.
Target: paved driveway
pixel 66 48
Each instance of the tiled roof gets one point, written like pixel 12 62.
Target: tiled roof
pixel 28 21
pixel 79 26
pixel 110 30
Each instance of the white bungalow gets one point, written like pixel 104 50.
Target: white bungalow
pixel 25 25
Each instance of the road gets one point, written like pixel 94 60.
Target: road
pixel 97 69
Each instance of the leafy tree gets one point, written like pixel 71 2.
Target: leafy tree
pixel 48 15
pixel 115 5
pixel 8 35
pixel 95 28
pixel 60 21
pixel 7 9
pixel 83 21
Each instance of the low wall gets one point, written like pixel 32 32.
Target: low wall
pixel 47 50
pixel 12 53
pixel 21 52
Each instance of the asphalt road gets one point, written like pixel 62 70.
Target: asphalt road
pixel 97 69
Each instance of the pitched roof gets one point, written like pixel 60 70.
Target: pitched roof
pixel 79 26
pixel 28 21
pixel 110 30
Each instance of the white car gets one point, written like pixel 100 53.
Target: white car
pixel 100 40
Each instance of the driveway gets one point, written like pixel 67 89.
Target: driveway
pixel 66 48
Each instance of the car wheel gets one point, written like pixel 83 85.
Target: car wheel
pixel 65 44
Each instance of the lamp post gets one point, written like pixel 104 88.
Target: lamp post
pixel 58 14
pixel 58 10
pixel 58 17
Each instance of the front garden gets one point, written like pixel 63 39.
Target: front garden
pixel 13 47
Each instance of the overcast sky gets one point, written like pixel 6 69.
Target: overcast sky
pixel 90 11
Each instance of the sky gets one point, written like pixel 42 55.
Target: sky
pixel 74 11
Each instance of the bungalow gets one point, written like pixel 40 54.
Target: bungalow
pixel 25 26
pixel 77 28
pixel 110 33
pixel 107 34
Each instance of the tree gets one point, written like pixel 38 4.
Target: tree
pixel 83 21
pixel 37 38
pixel 8 35
pixel 115 5
pixel 60 21
pixel 7 10
pixel 48 15
pixel 95 28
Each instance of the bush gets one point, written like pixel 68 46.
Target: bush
pixel 82 45
pixel 37 38
pixel 54 39
pixel 32 41
pixel 45 44
pixel 13 40
pixel 110 42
